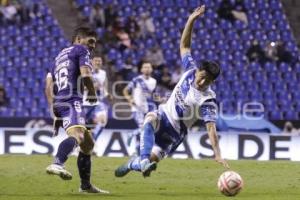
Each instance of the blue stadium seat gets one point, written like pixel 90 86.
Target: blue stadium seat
pixel 154 3
pixel 193 3
pixel 290 115
pixel 275 115
pixel 156 12
pixel 275 5
pixel 181 4
pixel 215 39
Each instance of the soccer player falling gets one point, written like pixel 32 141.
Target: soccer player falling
pixel 72 70
pixel 140 95
pixel 191 99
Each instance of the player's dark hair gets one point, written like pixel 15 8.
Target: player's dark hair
pixel 83 32
pixel 140 64
pixel 95 55
pixel 212 68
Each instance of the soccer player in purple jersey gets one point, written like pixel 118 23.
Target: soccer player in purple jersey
pixel 192 99
pixel 72 70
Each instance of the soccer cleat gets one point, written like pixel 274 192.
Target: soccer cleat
pixel 147 167
pixel 122 170
pixel 93 189
pixel 60 171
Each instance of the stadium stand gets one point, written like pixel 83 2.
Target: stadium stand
pixel 274 83
pixel 29 49
pixel 27 52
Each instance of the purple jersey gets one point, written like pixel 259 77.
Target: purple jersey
pixel 66 73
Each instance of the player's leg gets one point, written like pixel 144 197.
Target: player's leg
pixel 139 120
pixel 157 155
pixel 100 121
pixel 84 164
pixel 155 129
pixel 134 164
pixel 139 163
pixel 84 160
pixel 147 136
pixel 65 148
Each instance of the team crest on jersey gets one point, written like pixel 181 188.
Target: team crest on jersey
pixel 66 122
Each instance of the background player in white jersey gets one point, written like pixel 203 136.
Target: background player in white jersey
pixel 96 113
pixel 191 99
pixel 140 94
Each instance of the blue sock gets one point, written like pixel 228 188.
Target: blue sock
pixel 147 141
pixel 64 149
pixel 135 164
pixel 97 131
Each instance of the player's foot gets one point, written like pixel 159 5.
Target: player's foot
pixel 59 170
pixel 147 167
pixel 122 170
pixel 93 189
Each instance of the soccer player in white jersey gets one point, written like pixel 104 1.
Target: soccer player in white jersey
pixel 191 99
pixel 96 113
pixel 140 94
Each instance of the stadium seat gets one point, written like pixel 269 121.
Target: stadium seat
pixel 214 39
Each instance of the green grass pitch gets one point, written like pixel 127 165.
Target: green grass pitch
pixel 24 177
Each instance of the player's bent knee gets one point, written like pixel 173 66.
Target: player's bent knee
pixel 152 118
pixel 87 148
pixel 77 133
pixel 88 143
pixel 157 154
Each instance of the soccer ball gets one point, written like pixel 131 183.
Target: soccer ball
pixel 230 183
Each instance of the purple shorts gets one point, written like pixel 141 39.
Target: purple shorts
pixel 71 114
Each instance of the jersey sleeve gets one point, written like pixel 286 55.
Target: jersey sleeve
pixel 131 85
pixel 84 57
pixel 208 111
pixel 188 62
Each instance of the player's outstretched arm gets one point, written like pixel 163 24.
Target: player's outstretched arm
pixel 212 133
pixel 87 80
pixel 186 37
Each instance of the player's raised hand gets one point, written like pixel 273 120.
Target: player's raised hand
pixel 198 12
pixel 222 162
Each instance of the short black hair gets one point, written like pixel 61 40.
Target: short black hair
pixel 141 63
pixel 97 56
pixel 212 68
pixel 83 32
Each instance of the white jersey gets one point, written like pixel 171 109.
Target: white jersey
pixel 186 104
pixel 99 79
pixel 142 90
